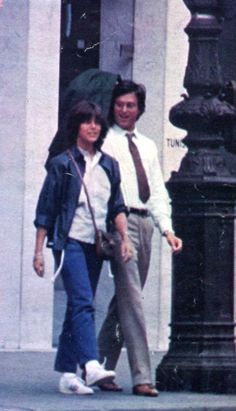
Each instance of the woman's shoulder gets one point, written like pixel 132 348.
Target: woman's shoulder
pixel 109 159
pixel 60 160
pixel 111 165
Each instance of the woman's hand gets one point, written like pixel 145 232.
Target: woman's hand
pixel 126 248
pixel 175 242
pixel 38 260
pixel 38 264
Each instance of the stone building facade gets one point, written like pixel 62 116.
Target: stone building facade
pixel 140 39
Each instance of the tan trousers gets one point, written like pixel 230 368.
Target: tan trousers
pixel 125 320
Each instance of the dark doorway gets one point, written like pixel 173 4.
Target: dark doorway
pixel 80 36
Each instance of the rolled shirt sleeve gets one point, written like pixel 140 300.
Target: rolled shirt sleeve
pixel 116 203
pixel 47 206
pixel 159 203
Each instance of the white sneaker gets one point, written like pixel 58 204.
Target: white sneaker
pixel 71 384
pixel 95 373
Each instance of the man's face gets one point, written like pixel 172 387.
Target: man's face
pixel 126 111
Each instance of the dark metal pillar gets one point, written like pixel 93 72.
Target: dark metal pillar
pixel 201 355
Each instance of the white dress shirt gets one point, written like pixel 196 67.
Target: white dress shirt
pixel 99 189
pixel 116 144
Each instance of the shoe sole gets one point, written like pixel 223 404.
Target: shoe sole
pixel 145 395
pixel 70 392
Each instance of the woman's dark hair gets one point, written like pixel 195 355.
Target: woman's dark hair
pixel 126 87
pixel 81 113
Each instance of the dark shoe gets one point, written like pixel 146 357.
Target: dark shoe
pixel 146 390
pixel 110 386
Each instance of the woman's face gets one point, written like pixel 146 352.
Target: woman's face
pixel 88 134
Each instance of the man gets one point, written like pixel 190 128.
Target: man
pixel 148 205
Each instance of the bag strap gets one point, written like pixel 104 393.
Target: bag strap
pixel 85 189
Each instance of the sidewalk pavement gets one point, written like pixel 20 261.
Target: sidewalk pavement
pixel 28 383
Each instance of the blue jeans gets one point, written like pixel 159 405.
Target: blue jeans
pixel 80 274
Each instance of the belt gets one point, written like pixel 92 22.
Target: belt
pixel 138 211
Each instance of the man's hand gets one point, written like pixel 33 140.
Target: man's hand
pixel 38 264
pixel 175 242
pixel 126 248
pixel 126 244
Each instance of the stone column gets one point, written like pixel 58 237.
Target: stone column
pixel 41 124
pixel 29 62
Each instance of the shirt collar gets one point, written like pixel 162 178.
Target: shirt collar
pixel 104 159
pixel 86 154
pixel 79 153
pixel 122 131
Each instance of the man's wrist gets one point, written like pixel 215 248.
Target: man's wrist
pixel 167 232
pixel 124 235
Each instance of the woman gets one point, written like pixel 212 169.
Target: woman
pixel 63 215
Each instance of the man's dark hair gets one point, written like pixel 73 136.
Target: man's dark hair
pixel 81 113
pixel 126 87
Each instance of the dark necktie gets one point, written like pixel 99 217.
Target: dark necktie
pixel 143 186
